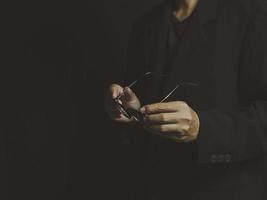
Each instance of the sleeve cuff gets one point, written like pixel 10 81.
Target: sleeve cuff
pixel 211 147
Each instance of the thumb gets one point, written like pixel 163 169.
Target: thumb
pixel 129 95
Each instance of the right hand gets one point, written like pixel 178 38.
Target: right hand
pixel 128 99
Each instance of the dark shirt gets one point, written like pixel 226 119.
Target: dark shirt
pixel 176 31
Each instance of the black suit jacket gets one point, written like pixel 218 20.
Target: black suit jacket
pixel 227 58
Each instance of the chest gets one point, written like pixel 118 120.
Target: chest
pixel 208 55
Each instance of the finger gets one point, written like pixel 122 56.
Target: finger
pixel 179 139
pixel 162 107
pixel 115 90
pixel 128 95
pixel 170 132
pixel 163 118
pixel 130 100
pixel 110 105
pixel 163 129
pixel 167 129
pixel 113 103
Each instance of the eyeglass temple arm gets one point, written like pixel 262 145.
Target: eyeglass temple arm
pixel 180 84
pixel 136 81
pixel 144 75
pixel 133 83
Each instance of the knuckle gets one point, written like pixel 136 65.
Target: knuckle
pixel 160 107
pixel 187 118
pixel 163 117
pixel 185 128
pixel 190 118
pixel 183 104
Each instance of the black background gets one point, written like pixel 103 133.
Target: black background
pixel 58 59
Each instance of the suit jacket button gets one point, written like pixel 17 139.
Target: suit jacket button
pixel 213 159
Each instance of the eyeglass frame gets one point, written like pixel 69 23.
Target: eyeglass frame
pixel 135 114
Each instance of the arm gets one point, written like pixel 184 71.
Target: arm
pixel 236 136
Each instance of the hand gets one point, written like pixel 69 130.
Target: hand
pixel 174 120
pixel 127 98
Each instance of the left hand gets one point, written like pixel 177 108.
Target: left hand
pixel 174 120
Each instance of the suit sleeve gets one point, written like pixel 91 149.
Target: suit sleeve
pixel 235 136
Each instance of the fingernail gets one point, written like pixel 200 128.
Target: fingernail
pixel 143 110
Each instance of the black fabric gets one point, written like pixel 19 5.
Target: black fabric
pixel 176 31
pixel 225 54
pixel 179 30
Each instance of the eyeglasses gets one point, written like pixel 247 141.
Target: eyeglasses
pixel 135 114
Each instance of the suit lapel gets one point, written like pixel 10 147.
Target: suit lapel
pixel 155 47
pixel 156 38
pixel 194 48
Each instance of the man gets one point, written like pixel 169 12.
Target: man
pixel 206 141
